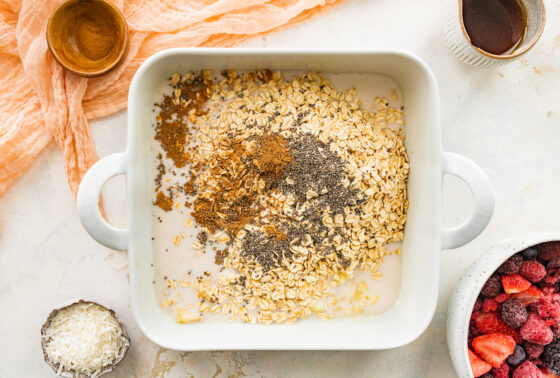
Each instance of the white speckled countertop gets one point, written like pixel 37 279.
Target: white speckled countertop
pixel 506 119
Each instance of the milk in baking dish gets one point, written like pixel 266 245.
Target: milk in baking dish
pixel 180 259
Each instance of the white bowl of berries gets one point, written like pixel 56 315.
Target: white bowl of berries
pixel 504 316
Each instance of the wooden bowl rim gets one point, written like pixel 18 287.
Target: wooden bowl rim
pixel 121 19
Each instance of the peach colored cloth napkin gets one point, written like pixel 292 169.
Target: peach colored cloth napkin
pixel 40 101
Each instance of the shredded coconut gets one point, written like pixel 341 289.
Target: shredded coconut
pixel 85 338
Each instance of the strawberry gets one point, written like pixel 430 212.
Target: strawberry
pixel 491 323
pixel 515 283
pixel 502 297
pixel 547 374
pixel 532 294
pixel 479 366
pixel 494 348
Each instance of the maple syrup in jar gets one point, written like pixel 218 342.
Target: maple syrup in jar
pixel 495 26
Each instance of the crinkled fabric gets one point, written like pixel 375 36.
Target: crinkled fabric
pixel 40 101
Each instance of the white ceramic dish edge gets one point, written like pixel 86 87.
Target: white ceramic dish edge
pixel 469 286
pixel 391 329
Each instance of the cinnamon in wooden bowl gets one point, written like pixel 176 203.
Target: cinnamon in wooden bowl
pixel 88 37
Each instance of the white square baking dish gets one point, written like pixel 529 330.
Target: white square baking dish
pixel 424 235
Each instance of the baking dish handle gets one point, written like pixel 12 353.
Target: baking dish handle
pixel 483 196
pixel 88 201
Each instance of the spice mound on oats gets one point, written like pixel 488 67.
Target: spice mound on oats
pixel 291 183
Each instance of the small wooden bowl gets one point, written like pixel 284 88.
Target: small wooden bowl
pixel 87 37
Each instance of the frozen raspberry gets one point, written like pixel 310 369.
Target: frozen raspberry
pixel 489 305
pixel 535 330
pixel 514 314
pixel 548 290
pixel 511 265
pixel 527 370
pixel 548 251
pixel 551 357
pixel 548 310
pixel 532 270
pixel 552 277
pixel 529 253
pixel 492 287
pixel 533 351
pixel 502 371
pixel 517 357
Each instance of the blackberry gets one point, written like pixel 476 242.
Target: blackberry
pixel 517 357
pixel 529 253
pixel 511 265
pixel 492 287
pixel 533 350
pixel 477 305
pixel 551 357
pixel 555 331
pixel 553 264
pixel 514 314
pixel 548 251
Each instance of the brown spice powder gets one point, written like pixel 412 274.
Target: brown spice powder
pixel 172 130
pixel 273 231
pixel 95 38
pixel 189 187
pixel 272 156
pixel 164 202
pixel 220 256
pixel 234 203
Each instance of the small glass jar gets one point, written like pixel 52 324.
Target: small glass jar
pixel 460 44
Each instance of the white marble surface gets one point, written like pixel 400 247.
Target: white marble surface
pixel 506 119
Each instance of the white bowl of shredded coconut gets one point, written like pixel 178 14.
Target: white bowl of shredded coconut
pixel 83 339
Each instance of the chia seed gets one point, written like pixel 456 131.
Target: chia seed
pixel 313 168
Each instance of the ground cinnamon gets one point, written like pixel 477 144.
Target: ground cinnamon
pixel 273 231
pixel 189 97
pixel 95 38
pixel 272 155
pixel 88 36
pixel 235 203
pixel 164 202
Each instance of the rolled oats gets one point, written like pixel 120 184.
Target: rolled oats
pixel 233 115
